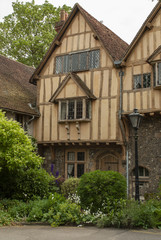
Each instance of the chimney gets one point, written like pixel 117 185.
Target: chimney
pixel 63 18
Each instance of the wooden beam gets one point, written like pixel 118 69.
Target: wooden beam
pixel 88 144
pixel 95 36
pixel 57 43
pixel 149 25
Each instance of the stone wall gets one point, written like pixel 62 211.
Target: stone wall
pixel 149 152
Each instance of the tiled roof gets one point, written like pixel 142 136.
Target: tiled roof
pixel 115 46
pixel 15 90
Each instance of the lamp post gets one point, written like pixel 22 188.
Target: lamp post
pixel 135 119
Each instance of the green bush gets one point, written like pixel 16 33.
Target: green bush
pixel 27 185
pixel 5 218
pixel 95 187
pixel 69 186
pixel 67 213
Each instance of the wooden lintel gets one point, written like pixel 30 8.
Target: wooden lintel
pixel 151 114
pixel 107 143
pixel 88 144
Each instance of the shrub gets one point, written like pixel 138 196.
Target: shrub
pixel 34 183
pixel 69 187
pixel 95 187
pixel 5 218
pixel 67 213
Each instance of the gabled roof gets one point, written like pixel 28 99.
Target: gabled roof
pixel 154 54
pixel 78 81
pixel 113 44
pixel 15 90
pixel 146 25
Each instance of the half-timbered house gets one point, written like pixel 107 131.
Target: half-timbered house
pixel 88 82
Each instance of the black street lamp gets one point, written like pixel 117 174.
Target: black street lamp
pixel 135 119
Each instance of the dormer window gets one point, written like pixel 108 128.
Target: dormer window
pixel 74 109
pixel 78 61
pixel 157 73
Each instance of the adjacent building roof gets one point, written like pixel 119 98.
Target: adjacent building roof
pixel 146 25
pixel 15 90
pixel 114 45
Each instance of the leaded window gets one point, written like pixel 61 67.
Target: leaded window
pixel 142 80
pixel 79 61
pixel 75 109
pixel 157 73
pixel 146 80
pixel 137 81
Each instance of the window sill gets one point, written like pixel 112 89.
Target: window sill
pixel 74 120
pixel 158 87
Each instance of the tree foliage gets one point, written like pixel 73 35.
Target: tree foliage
pixel 21 175
pixel 25 35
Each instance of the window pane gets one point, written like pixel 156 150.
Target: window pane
pixel 159 73
pixel 80 156
pixel 80 170
pixel 71 156
pixel 71 110
pixel 65 63
pixel 63 110
pixel 146 172
pixel 79 109
pixel 58 66
pixel 88 108
pixel 75 62
pixel 137 81
pixel 94 57
pixel 70 170
pixel 141 171
pixel 83 61
pixel 146 80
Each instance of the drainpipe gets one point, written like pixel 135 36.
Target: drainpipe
pixel 121 74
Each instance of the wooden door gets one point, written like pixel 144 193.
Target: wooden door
pixel 109 163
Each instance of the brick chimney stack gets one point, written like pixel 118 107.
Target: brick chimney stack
pixel 63 18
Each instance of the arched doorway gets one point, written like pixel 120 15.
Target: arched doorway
pixel 109 163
